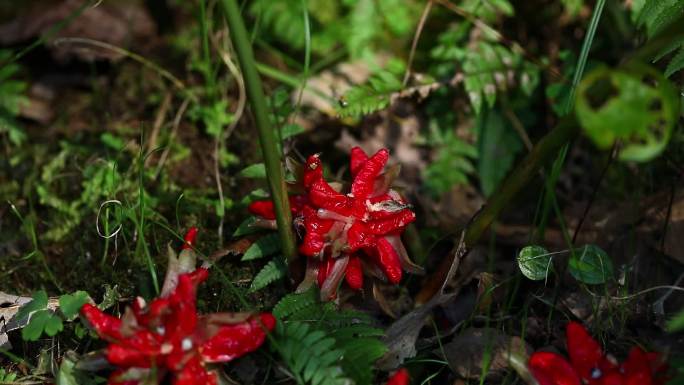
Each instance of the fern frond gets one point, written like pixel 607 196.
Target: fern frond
pixel 274 270
pixel 310 354
pixel 367 98
pixel 655 16
pixel 295 302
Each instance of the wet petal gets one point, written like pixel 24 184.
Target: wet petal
pixel 363 183
pixel 189 238
pixel 106 326
pixel 389 262
pixel 552 369
pixel 354 273
pixel 357 158
pixel 263 208
pixel 392 224
pixel 358 236
pixel 193 373
pixel 585 353
pixel 323 195
pixel 233 341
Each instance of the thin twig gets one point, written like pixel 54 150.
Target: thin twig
pixel 416 37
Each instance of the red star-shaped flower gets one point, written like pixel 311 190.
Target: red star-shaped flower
pixel 589 365
pixel 168 338
pixel 344 232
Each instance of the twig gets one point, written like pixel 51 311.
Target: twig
pixel 156 127
pixel 172 136
pixel 416 36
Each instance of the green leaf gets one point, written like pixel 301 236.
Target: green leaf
pixel 264 246
pixel 626 105
pixel 367 98
pixel 452 165
pixel 290 130
pixel 534 262
pixel 591 265
pixel 498 145
pixel 246 227
pixel 273 271
pixel 53 325
pixel 676 323
pixel 66 375
pixel 39 302
pixel 257 171
pixel 70 304
pixel 34 329
pixel 676 64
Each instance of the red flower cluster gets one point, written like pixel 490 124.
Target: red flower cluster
pixel 589 365
pixel 168 337
pixel 343 232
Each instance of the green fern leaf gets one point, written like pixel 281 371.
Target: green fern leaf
pixel 263 247
pixel 273 271
pixel 373 96
pixel 295 302
pixel 676 64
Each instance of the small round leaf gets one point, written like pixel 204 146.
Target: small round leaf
pixel 591 265
pixel 534 262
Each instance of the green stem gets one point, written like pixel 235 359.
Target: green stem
pixel 255 93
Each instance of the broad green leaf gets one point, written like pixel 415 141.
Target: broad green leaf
pixel 53 325
pixel 39 302
pixel 70 304
pixel 290 130
pixel 637 106
pixel 34 329
pixel 257 171
pixel 264 246
pixel 66 375
pixel 246 227
pixel 591 265
pixel 498 145
pixel 534 262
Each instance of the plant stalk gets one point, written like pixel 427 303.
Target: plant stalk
pixel 257 101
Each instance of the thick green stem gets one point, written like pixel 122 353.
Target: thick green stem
pixel 255 93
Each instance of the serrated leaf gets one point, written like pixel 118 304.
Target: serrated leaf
pixel 591 265
pixel 293 303
pixel 273 271
pixel 263 247
pixel 39 302
pixel 70 304
pixel 256 171
pixel 53 325
pixel 534 262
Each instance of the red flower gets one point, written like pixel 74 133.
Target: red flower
pixel 589 365
pixel 168 337
pixel 401 377
pixel 344 232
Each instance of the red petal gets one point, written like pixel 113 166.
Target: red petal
pixel 233 341
pixel 354 273
pixel 313 171
pixel 193 373
pixel 359 236
pixel 358 158
pixel 401 377
pixel 552 369
pixel 362 186
pixel 189 238
pixel 106 326
pixel 262 208
pixel 636 368
pixel 323 195
pixel 585 353
pixel 324 268
pixel 315 231
pixel 389 261
pixel 140 351
pixel 392 224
